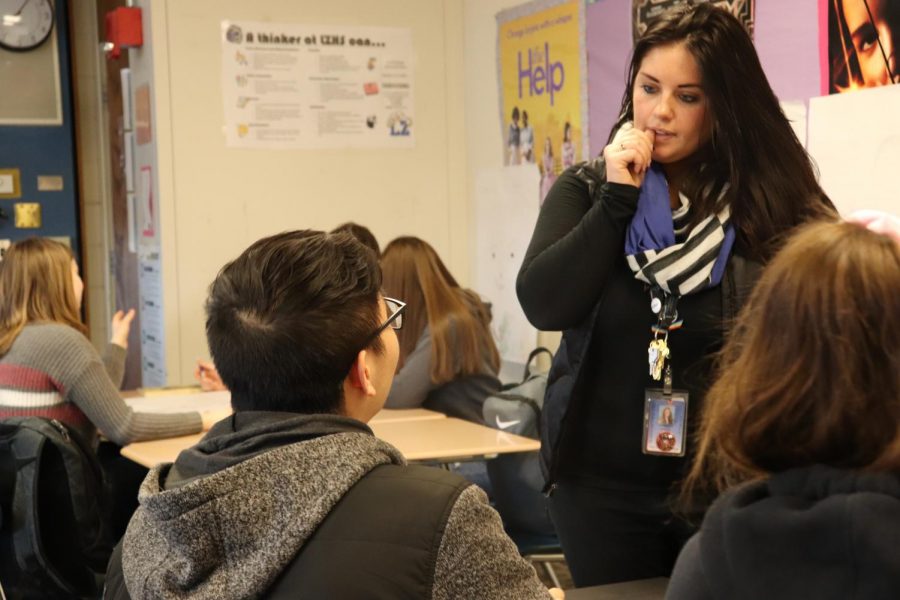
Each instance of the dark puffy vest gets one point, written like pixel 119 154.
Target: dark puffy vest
pixel 380 541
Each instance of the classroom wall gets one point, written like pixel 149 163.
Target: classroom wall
pixel 215 201
pixel 484 127
pixel 788 41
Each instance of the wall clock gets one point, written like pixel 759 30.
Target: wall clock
pixel 25 24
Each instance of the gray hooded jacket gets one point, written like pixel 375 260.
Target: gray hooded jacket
pixel 228 519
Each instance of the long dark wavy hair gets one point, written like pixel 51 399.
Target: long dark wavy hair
pixel 753 153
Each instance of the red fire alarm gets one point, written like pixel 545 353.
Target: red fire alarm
pixel 123 30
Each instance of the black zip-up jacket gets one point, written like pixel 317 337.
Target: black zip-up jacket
pixel 813 532
pixel 574 278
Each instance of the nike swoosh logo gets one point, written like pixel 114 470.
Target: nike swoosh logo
pixel 506 424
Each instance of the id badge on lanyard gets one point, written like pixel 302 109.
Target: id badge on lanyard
pixel 665 409
pixel 665 421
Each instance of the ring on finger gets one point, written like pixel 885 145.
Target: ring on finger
pixel 622 146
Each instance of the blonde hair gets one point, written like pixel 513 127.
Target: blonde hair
pixel 811 372
pixel 458 320
pixel 36 286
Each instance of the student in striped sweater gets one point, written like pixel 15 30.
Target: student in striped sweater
pixel 48 368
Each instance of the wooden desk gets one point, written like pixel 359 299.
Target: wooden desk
pixel 450 439
pixel 166 400
pixel 154 452
pixel 395 415
pixel 643 589
pixel 433 439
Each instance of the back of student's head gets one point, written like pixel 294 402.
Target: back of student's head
pixel 361 233
pixel 414 273
pixel 286 319
pixel 811 372
pixel 36 286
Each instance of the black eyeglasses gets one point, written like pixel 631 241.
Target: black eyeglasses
pixel 395 310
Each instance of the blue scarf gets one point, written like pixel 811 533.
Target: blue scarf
pixel 657 258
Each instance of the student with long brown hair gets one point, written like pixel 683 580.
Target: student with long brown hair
pixel 448 358
pixel 48 368
pixel 804 419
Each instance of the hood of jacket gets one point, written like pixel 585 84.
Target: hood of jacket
pixel 814 532
pixel 233 511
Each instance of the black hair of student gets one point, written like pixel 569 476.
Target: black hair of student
pixel 287 317
pixel 515 113
pixel 361 233
pixel 753 152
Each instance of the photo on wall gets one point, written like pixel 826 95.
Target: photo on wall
pixel 645 11
pixel 543 102
pixel 862 44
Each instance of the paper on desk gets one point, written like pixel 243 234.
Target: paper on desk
pixel 855 141
pixel 199 401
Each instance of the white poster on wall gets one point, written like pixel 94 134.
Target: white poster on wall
pixel 317 86
pixel 795 111
pixel 507 201
pixel 855 142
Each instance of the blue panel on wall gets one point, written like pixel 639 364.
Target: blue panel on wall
pixel 45 150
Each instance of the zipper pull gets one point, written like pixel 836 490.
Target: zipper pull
pixel 62 429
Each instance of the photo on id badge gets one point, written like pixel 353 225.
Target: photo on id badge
pixel 664 423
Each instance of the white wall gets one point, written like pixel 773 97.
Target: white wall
pixel 215 201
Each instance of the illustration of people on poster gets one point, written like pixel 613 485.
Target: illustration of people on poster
pixel 862 44
pixel 647 10
pixel 543 101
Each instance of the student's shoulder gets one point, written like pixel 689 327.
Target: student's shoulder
pixel 422 477
pixel 60 336
pixel 59 350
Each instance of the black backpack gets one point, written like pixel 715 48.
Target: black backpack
pixel 53 534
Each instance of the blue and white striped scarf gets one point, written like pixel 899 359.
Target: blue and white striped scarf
pixel 660 255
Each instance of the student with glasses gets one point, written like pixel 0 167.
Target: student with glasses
pixel 292 496
pixel 205 371
pixel 448 358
